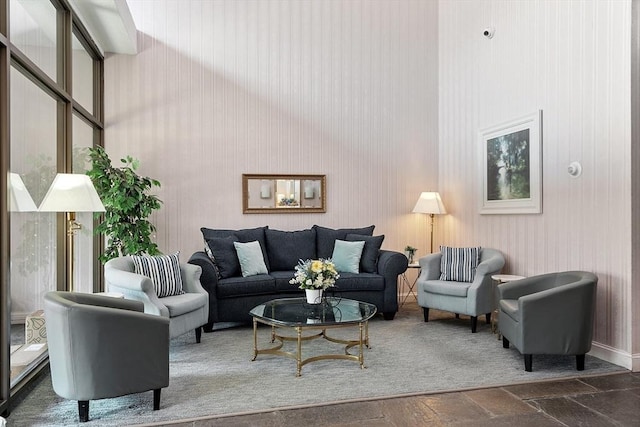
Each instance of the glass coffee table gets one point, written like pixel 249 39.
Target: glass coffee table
pixel 297 314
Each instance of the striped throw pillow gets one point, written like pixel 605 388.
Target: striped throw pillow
pixel 459 264
pixel 163 270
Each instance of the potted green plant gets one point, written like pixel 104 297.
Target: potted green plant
pixel 128 204
pixel 410 252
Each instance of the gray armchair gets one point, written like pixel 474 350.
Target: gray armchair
pixel 186 312
pixel 471 299
pixel 102 347
pixel 549 314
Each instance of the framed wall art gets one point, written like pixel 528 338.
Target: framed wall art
pixel 512 166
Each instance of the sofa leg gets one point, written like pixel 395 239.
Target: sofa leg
pixel 505 342
pixel 156 399
pixel 83 410
pixel 389 315
pixel 457 315
pixel 580 362
pixel 488 318
pixel 208 327
pixel 528 362
pixel 425 313
pixel 198 334
pixel 474 324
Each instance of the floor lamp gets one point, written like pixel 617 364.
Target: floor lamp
pixel 71 193
pixel 19 198
pixel 430 203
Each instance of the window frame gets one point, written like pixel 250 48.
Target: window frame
pixel 68 23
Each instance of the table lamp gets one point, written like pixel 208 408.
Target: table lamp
pixel 430 203
pixel 71 193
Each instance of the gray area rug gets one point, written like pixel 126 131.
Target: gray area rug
pixel 218 377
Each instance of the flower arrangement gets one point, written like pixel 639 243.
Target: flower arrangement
pixel 410 252
pixel 290 201
pixel 315 274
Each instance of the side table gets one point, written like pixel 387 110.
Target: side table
pixel 498 279
pixel 404 280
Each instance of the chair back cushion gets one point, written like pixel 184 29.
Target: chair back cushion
pixel 163 270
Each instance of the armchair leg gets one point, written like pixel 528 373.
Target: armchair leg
pixel 156 399
pixel 457 315
pixel 488 318
pixel 474 324
pixel 198 334
pixel 83 410
pixel 505 342
pixel 528 362
pixel 580 362
pixel 425 312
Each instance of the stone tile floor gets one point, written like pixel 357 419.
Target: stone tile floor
pixel 609 400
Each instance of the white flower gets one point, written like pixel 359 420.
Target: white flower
pixel 315 274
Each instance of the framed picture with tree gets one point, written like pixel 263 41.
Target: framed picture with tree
pixel 511 166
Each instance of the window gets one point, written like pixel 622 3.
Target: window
pixel 54 112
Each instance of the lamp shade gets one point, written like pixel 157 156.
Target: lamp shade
pixel 72 193
pixel 429 203
pixel 19 198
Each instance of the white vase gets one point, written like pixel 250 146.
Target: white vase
pixel 314 296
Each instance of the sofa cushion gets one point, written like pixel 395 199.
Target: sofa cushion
pixel 243 286
pixel 185 303
pixel 286 248
pixel 251 258
pixel 225 257
pixel 346 256
pixel 243 235
pixel 163 270
pixel 459 264
pixel 369 258
pixel 358 282
pixel 282 281
pixel 442 287
pixel 326 237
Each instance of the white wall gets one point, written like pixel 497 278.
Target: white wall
pixel 220 88
pixel 350 89
pixel 572 61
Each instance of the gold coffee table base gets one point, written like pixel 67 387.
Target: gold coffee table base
pixel 299 339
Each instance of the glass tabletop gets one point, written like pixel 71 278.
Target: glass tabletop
pixel 297 312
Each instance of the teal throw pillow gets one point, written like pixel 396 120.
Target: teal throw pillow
pixel 251 259
pixel 346 256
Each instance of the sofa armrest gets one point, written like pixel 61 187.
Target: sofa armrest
pixel 208 280
pixel 136 287
pixel 390 265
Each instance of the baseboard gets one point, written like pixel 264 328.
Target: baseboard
pixel 616 356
